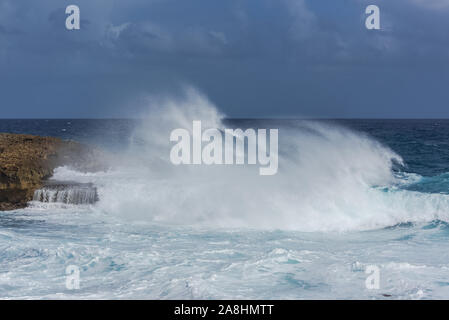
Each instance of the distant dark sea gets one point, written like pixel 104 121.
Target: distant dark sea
pixel 423 144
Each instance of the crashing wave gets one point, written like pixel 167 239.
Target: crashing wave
pixel 330 178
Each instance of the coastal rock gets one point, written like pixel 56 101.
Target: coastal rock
pixel 26 161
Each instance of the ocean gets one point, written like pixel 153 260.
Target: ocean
pixel 350 196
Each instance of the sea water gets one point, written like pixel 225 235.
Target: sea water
pixel 349 195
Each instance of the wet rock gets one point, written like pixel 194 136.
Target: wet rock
pixel 26 161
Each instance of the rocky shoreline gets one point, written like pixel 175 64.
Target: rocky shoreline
pixel 26 161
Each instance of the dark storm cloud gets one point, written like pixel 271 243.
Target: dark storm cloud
pixel 252 58
pixel 6 31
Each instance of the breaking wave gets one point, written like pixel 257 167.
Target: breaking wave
pixel 329 179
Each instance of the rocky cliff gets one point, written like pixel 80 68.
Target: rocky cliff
pixel 26 161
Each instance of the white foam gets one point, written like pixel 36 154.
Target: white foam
pixel 330 179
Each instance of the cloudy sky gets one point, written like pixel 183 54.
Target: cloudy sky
pixel 252 58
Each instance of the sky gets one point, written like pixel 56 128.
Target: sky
pixel 251 58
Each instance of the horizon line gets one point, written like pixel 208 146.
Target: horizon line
pixel 238 118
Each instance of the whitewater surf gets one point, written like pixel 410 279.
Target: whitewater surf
pixel 343 201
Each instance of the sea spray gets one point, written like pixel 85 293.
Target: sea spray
pixel 330 178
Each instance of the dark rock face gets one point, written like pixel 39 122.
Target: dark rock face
pixel 26 161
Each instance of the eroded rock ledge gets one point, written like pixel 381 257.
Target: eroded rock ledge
pixel 26 161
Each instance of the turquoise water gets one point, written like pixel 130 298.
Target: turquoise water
pixel 349 194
